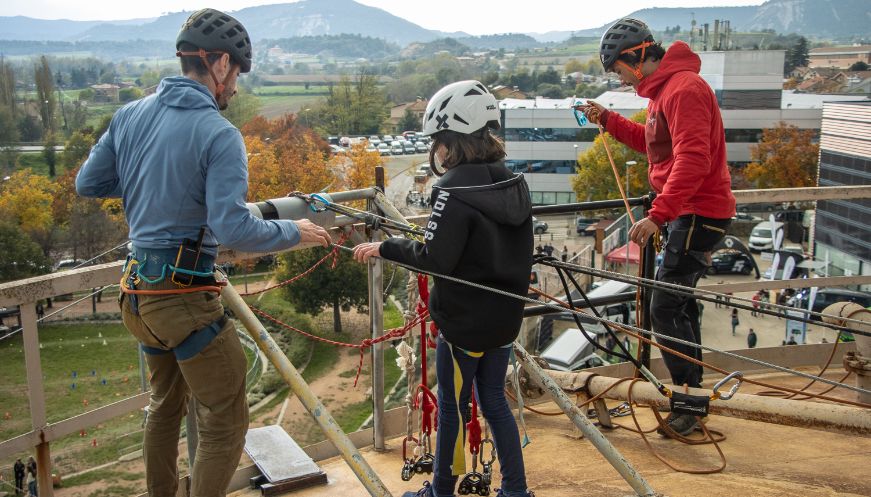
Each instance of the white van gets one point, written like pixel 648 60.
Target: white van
pixel 572 351
pixel 763 235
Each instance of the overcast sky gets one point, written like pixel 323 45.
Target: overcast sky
pixel 482 17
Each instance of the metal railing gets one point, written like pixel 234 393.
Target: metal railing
pixel 26 293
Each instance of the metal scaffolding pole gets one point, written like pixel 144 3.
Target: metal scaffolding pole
pixel 300 388
pixel 632 477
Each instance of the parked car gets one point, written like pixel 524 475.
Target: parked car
pixel 67 264
pixel 731 262
pixel 371 148
pixel 336 150
pixel 582 223
pixel 763 235
pixel 396 148
pixel 538 227
pixel 374 142
pixel 383 148
pixel 828 296
pixel 421 147
pixel 387 139
pixel 408 147
pixel 746 216
pixel 424 169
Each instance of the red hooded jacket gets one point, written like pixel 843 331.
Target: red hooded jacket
pixel 683 139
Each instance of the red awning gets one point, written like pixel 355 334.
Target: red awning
pixel 618 255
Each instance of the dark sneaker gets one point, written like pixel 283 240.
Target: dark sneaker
pixel 682 424
pixel 499 493
pixel 426 491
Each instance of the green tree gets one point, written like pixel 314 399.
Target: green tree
pixel 796 56
pixel 354 107
pixel 20 257
pixel 45 97
pixel 573 65
pixel 548 90
pixel 7 87
pixel 129 94
pixel 859 66
pixel 409 122
pixel 595 179
pixel 341 287
pixel 8 138
pixel 76 149
pixel 786 157
pixel 243 107
pixel 49 154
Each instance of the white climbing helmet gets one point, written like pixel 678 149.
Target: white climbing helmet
pixel 464 107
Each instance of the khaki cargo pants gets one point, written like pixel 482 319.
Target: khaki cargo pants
pixel 215 377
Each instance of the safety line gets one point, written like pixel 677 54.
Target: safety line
pixel 629 327
pixel 700 294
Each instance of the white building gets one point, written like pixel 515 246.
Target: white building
pixel 841 232
pixel 543 139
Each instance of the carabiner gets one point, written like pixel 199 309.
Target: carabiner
pixel 716 393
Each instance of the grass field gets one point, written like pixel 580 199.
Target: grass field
pixel 291 90
pixel 278 105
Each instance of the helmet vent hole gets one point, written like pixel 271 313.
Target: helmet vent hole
pixel 458 118
pixel 445 104
pixel 208 30
pixel 472 92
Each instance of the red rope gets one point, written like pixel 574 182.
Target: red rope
pixel 363 345
pixel 334 253
pixel 473 427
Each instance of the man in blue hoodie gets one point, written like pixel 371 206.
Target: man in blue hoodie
pixel 182 172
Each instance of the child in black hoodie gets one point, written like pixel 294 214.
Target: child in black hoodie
pixel 480 230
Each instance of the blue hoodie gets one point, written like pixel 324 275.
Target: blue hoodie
pixel 179 165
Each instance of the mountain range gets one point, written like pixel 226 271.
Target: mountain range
pixel 839 19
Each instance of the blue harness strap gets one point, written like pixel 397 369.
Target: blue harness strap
pixel 194 343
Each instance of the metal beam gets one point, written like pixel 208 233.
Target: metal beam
pixel 846 419
pixel 793 283
pixel 49 285
pixel 775 195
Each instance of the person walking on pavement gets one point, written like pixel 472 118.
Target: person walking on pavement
pixel 480 230
pixel 18 471
pixel 735 321
pixel 755 300
pixel 181 171
pixel 751 339
pixel 685 144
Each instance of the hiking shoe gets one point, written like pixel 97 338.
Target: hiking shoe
pixel 682 424
pixel 426 491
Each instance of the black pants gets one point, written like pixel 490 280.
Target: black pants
pixel 684 261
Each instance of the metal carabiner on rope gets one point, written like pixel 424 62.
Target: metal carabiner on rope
pixel 408 462
pixel 732 391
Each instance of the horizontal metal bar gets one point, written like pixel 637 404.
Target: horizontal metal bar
pixel 775 195
pixel 62 283
pixel 540 310
pixel 780 284
pixel 55 431
pixel 586 206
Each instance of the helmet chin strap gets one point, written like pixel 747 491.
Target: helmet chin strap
pixel 636 69
pixel 219 86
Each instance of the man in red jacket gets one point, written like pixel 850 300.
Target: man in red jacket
pixel 685 145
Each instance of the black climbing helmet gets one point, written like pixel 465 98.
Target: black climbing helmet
pixel 625 35
pixel 215 31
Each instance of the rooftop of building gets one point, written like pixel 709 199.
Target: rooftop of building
pixel 631 101
pixel 849 49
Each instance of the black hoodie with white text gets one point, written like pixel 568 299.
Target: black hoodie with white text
pixel 480 230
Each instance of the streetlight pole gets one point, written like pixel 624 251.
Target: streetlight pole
pixel 628 163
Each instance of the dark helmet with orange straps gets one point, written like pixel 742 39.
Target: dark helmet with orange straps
pixel 626 35
pixel 214 31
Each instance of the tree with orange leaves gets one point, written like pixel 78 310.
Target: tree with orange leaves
pixel 786 157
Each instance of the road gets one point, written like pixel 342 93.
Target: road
pixel 400 180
